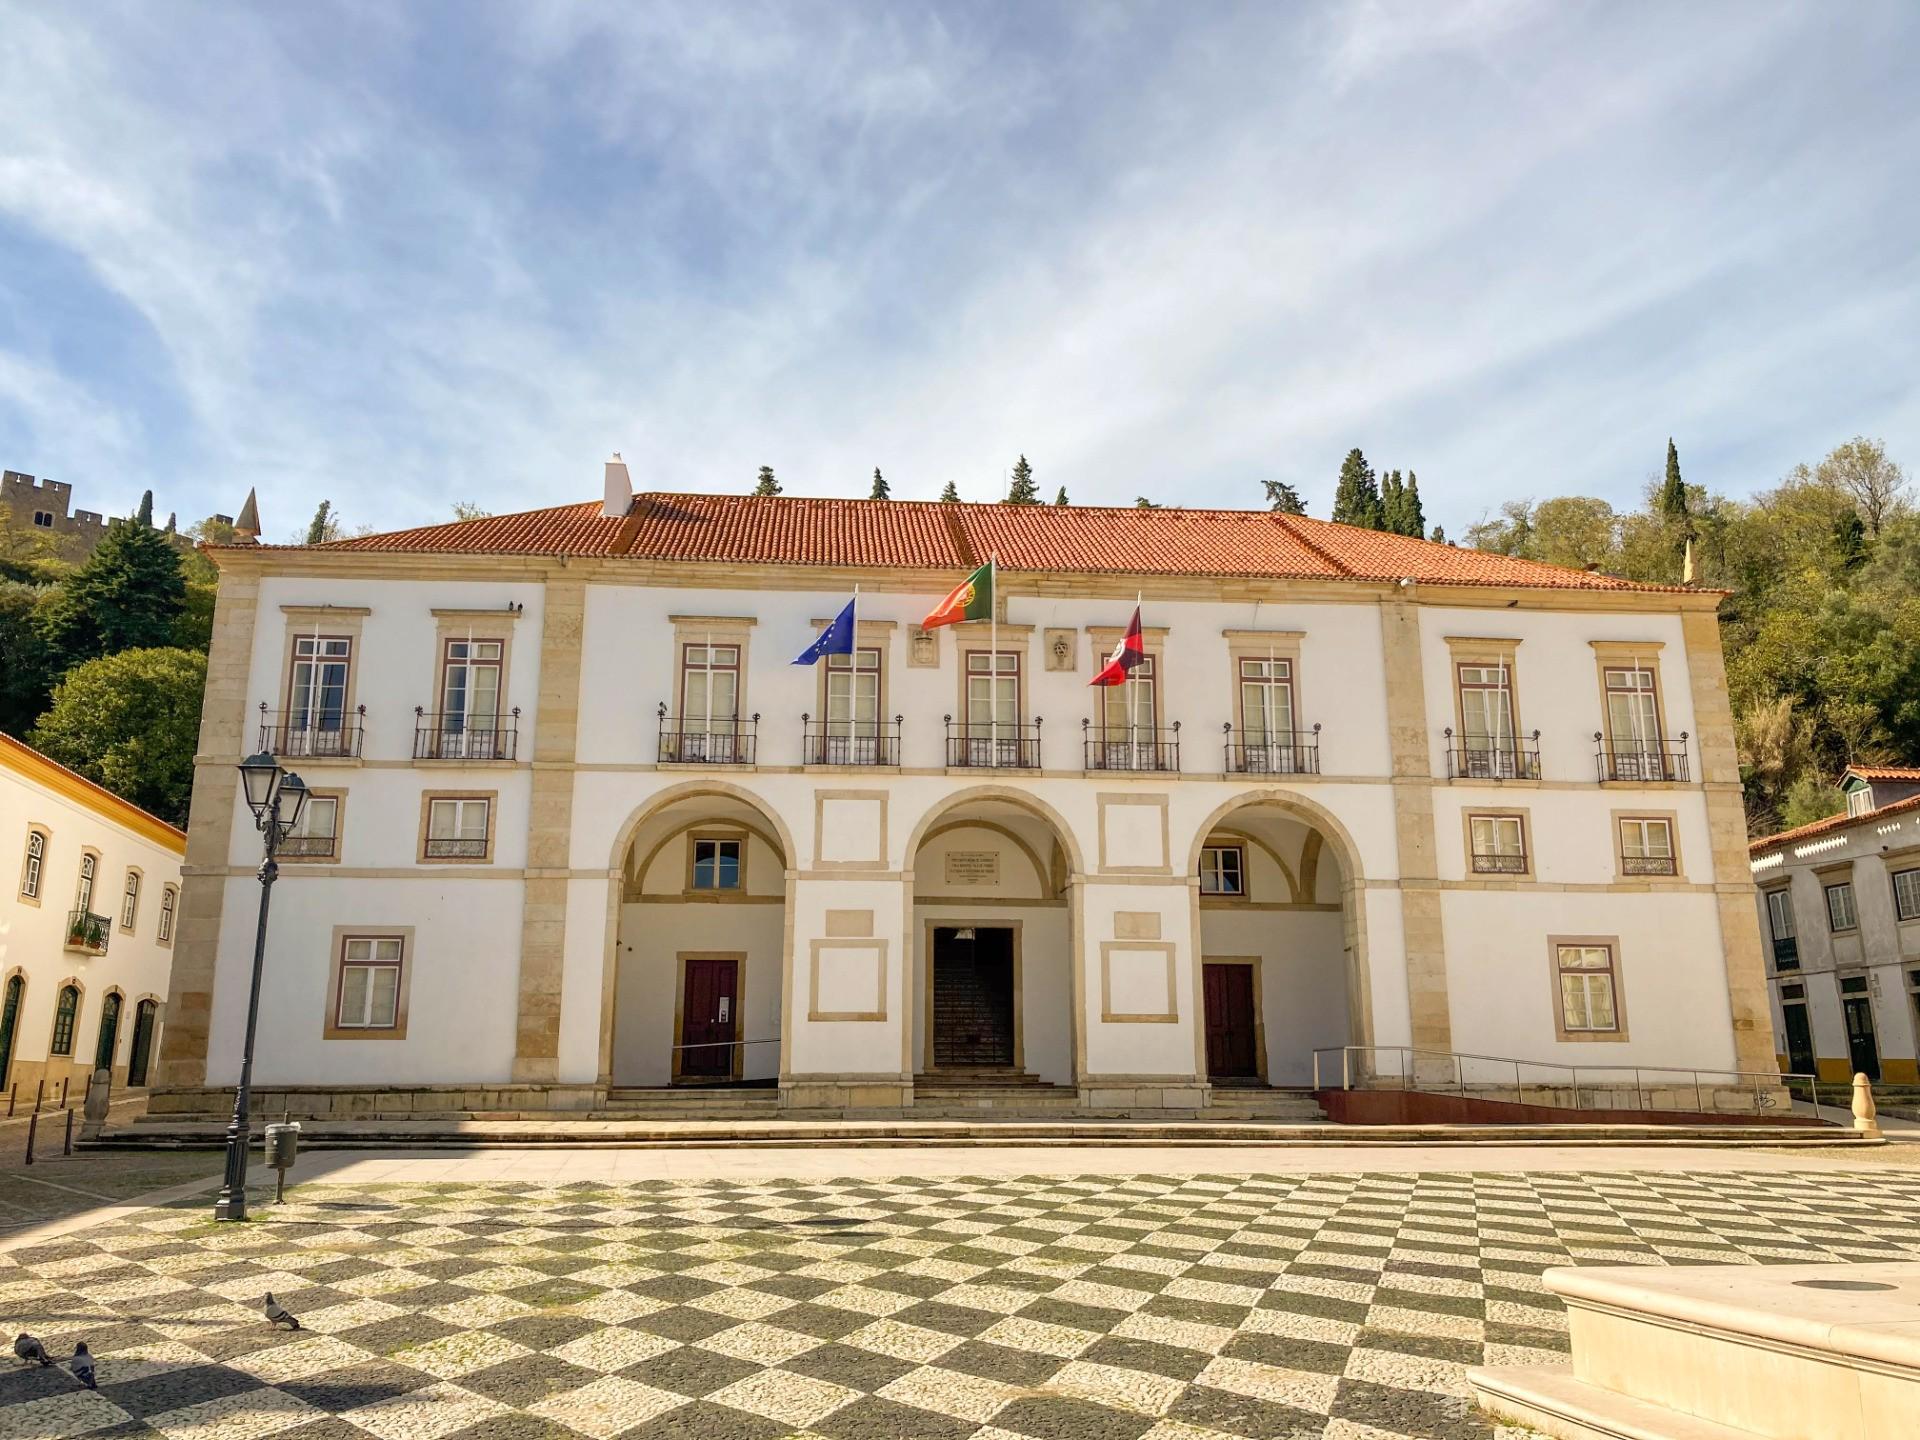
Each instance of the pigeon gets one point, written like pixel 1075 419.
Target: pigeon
pixel 31 1350
pixel 280 1315
pixel 82 1366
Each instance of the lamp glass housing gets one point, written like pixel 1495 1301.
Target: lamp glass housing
pixel 293 800
pixel 260 777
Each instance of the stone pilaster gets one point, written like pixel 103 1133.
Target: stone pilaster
pixel 1719 762
pixel 216 786
pixel 1412 755
pixel 543 926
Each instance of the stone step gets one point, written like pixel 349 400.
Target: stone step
pixel 1767 1352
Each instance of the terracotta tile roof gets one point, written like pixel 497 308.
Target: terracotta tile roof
pixel 923 535
pixel 1829 826
pixel 1910 773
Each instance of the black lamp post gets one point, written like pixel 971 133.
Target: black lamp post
pixel 276 798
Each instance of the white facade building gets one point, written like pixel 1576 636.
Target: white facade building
pixel 87 930
pixel 582 826
pixel 1840 917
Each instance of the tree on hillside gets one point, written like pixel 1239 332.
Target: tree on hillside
pixel 1283 499
pixel 469 510
pixel 1392 490
pixel 26 664
pixel 1509 533
pixel 324 526
pixel 1672 504
pixel 130 722
pixel 1356 500
pixel 1413 515
pixel 1060 499
pixel 880 490
pixel 1861 470
pixel 950 495
pixel 145 513
pixel 767 484
pixel 125 596
pixel 1022 490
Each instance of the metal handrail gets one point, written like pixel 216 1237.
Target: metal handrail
pixel 716 1044
pixel 1296 754
pixel 821 745
pixel 1638 762
pixel 1128 747
pixel 1408 1076
pixel 1488 757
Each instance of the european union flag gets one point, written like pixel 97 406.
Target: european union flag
pixel 836 639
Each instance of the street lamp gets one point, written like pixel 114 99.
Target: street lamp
pixel 276 798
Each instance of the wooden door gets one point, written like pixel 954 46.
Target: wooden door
pixel 1230 1026
pixel 9 1024
pixel 1799 1040
pixel 1862 1046
pixel 142 1052
pixel 709 1019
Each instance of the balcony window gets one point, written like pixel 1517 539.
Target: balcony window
pixel 1499 844
pixel 35 863
pixel 993 692
pixel 459 827
pixel 1786 947
pixel 1646 846
pixel 316 836
pixel 317 690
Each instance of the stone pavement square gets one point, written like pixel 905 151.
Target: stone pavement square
pixel 1212 1307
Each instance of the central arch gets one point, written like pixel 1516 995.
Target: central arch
pixel 1280 925
pixel 995 987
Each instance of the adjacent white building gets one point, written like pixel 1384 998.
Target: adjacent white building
pixel 86 931
pixel 581 826
pixel 1840 916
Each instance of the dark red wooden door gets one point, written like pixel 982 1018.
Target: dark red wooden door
pixel 709 1017
pixel 1229 996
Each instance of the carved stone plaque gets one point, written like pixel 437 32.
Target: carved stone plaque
pixel 923 649
pixel 973 867
pixel 1060 646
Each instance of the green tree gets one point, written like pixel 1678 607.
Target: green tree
pixel 1861 471
pixel 880 490
pixel 1393 492
pixel 1141 502
pixel 1439 536
pixel 950 495
pixel 193 626
pixel 1576 531
pixel 1060 500
pixel 1509 533
pixel 26 665
pixel 1022 490
pixel 324 526
pixel 1413 515
pixel 130 722
pixel 767 484
pixel 126 596
pixel 1672 503
pixel 145 513
pixel 1356 500
pixel 469 510
pixel 1283 499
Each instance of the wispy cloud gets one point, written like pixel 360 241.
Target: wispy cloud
pixel 401 256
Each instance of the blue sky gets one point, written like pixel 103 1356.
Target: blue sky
pixel 403 255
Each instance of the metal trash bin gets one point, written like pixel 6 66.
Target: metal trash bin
pixel 282 1148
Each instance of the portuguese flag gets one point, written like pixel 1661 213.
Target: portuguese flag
pixel 971 599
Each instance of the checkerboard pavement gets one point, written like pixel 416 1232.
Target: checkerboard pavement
pixel 1096 1308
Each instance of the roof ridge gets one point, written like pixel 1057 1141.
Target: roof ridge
pixel 1285 524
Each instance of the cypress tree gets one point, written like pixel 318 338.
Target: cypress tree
pixel 1023 491
pixel 324 526
pixel 1439 536
pixel 1356 501
pixel 1141 502
pixel 1283 499
pixel 145 513
pixel 880 490
pixel 1673 491
pixel 1061 498
pixel 1413 518
pixel 950 495
pixel 768 485
pixel 1393 492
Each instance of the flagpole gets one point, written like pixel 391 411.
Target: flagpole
pixel 853 685
pixel 1133 676
pixel 993 665
pixel 314 684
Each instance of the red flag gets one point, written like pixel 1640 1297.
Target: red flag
pixel 1128 653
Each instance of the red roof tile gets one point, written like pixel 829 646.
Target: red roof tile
pixel 1886 772
pixel 922 535
pixel 1829 826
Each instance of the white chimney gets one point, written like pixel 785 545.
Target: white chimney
pixel 619 497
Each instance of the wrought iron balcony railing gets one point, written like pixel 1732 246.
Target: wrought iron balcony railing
pixel 447 847
pixel 1646 865
pixel 1273 752
pixel 704 740
pixel 1786 953
pixel 88 933
pixel 1499 864
pixel 1012 745
pixel 325 735
pixel 1129 747
pixel 465 737
pixel 1490 757
pixel 849 742
pixel 308 847
pixel 1640 761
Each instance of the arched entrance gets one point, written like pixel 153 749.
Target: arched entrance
pixel 1282 940
pixel 993 941
pixel 699 943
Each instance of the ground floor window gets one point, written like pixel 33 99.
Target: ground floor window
pixel 1589 987
pixel 369 991
pixel 66 1013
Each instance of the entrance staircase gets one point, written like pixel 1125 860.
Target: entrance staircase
pixel 981 1092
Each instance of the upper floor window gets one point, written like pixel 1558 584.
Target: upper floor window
pixel 66 1015
pixel 1841 914
pixel 169 898
pixel 1633 708
pixel 316 835
pixel 130 902
pixel 317 688
pixel 1786 948
pixel 43 518
pixel 993 690
pixel 1906 894
pixel 1646 846
pixel 470 681
pixel 1860 801
pixel 853 694
pixel 1223 870
pixel 35 863
pixel 1499 844
pixel 83 893
pixel 1134 704
pixel 709 687
pixel 717 863
pixel 1266 700
pixel 1486 707
pixel 459 827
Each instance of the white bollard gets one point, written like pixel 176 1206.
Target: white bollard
pixel 1866 1117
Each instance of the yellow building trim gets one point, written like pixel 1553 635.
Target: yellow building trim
pixel 36 768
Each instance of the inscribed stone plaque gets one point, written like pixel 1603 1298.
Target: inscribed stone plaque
pixel 973 867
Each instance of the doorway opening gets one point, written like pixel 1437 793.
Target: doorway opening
pixel 1235 1049
pixel 973 997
